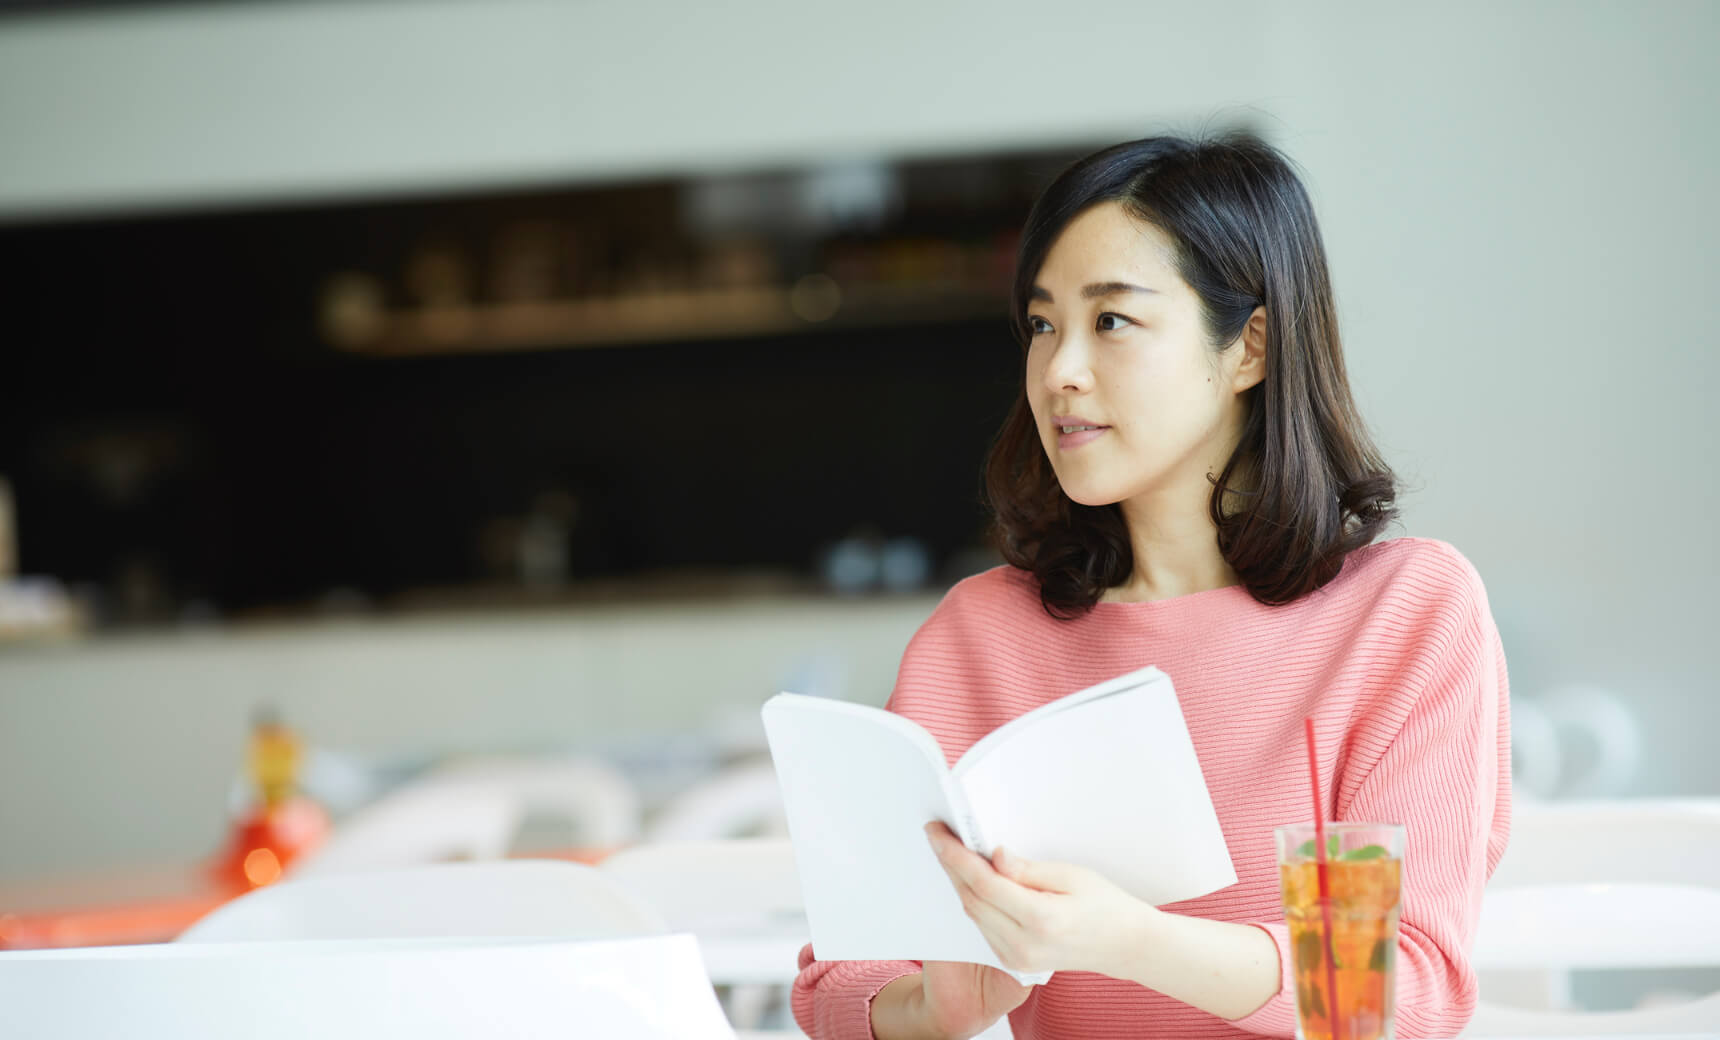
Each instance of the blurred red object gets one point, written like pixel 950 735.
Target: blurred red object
pixel 280 824
pixel 264 842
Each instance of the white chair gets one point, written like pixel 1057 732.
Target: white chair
pixel 746 882
pixel 1673 841
pixel 472 810
pixel 739 801
pixel 741 898
pixel 506 898
pixel 643 988
pixel 1598 885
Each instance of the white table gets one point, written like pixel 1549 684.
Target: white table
pixel 651 988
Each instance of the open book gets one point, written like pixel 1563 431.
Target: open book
pixel 1106 778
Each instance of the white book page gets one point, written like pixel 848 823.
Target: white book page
pixel 1002 734
pixel 859 784
pixel 1107 779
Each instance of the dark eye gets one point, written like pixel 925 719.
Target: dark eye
pixel 1034 322
pixel 1119 317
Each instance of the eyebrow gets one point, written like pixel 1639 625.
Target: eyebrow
pixel 1095 291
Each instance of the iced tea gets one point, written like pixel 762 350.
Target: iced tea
pixel 1365 868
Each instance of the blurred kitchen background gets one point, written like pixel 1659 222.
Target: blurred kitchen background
pixel 463 379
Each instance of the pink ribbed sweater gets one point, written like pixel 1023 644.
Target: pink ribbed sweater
pixel 1399 663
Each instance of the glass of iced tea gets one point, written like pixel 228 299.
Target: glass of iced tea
pixel 1364 868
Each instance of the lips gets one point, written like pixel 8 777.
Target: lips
pixel 1076 430
pixel 1074 420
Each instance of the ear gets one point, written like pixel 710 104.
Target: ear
pixel 1251 367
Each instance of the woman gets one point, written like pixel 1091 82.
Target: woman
pixel 1184 481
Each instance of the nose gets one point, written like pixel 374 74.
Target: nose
pixel 1069 368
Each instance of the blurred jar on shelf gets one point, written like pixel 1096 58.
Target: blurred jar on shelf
pixel 31 608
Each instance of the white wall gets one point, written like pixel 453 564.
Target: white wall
pixel 1518 200
pixel 196 104
pixel 1521 209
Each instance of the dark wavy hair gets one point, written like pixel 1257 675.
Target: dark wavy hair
pixel 1306 485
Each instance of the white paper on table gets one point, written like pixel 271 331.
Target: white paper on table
pixel 649 988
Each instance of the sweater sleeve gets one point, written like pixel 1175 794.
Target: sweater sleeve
pixel 833 999
pixel 1445 775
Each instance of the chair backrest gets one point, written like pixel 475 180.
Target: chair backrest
pixel 472 810
pixel 597 799
pixel 1598 885
pixel 1599 927
pixel 698 885
pixel 740 801
pixel 421 822
pixel 650 988
pixel 508 898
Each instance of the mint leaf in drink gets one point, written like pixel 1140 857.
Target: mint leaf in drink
pixel 1380 958
pixel 1306 849
pixel 1366 852
pixel 1308 946
pixel 1312 1001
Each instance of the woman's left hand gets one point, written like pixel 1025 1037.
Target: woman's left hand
pixel 1043 916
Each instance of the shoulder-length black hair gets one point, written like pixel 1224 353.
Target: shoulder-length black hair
pixel 1306 485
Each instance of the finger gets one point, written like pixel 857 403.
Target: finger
pixel 938 832
pixel 955 857
pixel 1002 932
pixel 975 881
pixel 1044 875
pixel 982 909
pixel 979 885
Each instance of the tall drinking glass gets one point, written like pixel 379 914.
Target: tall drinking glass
pixel 1364 864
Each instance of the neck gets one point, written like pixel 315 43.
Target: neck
pixel 1176 552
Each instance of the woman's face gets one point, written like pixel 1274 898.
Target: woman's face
pixel 1130 398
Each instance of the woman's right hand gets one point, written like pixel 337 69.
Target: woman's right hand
pixel 948 999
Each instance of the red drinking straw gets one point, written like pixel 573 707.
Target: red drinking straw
pixel 1325 882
